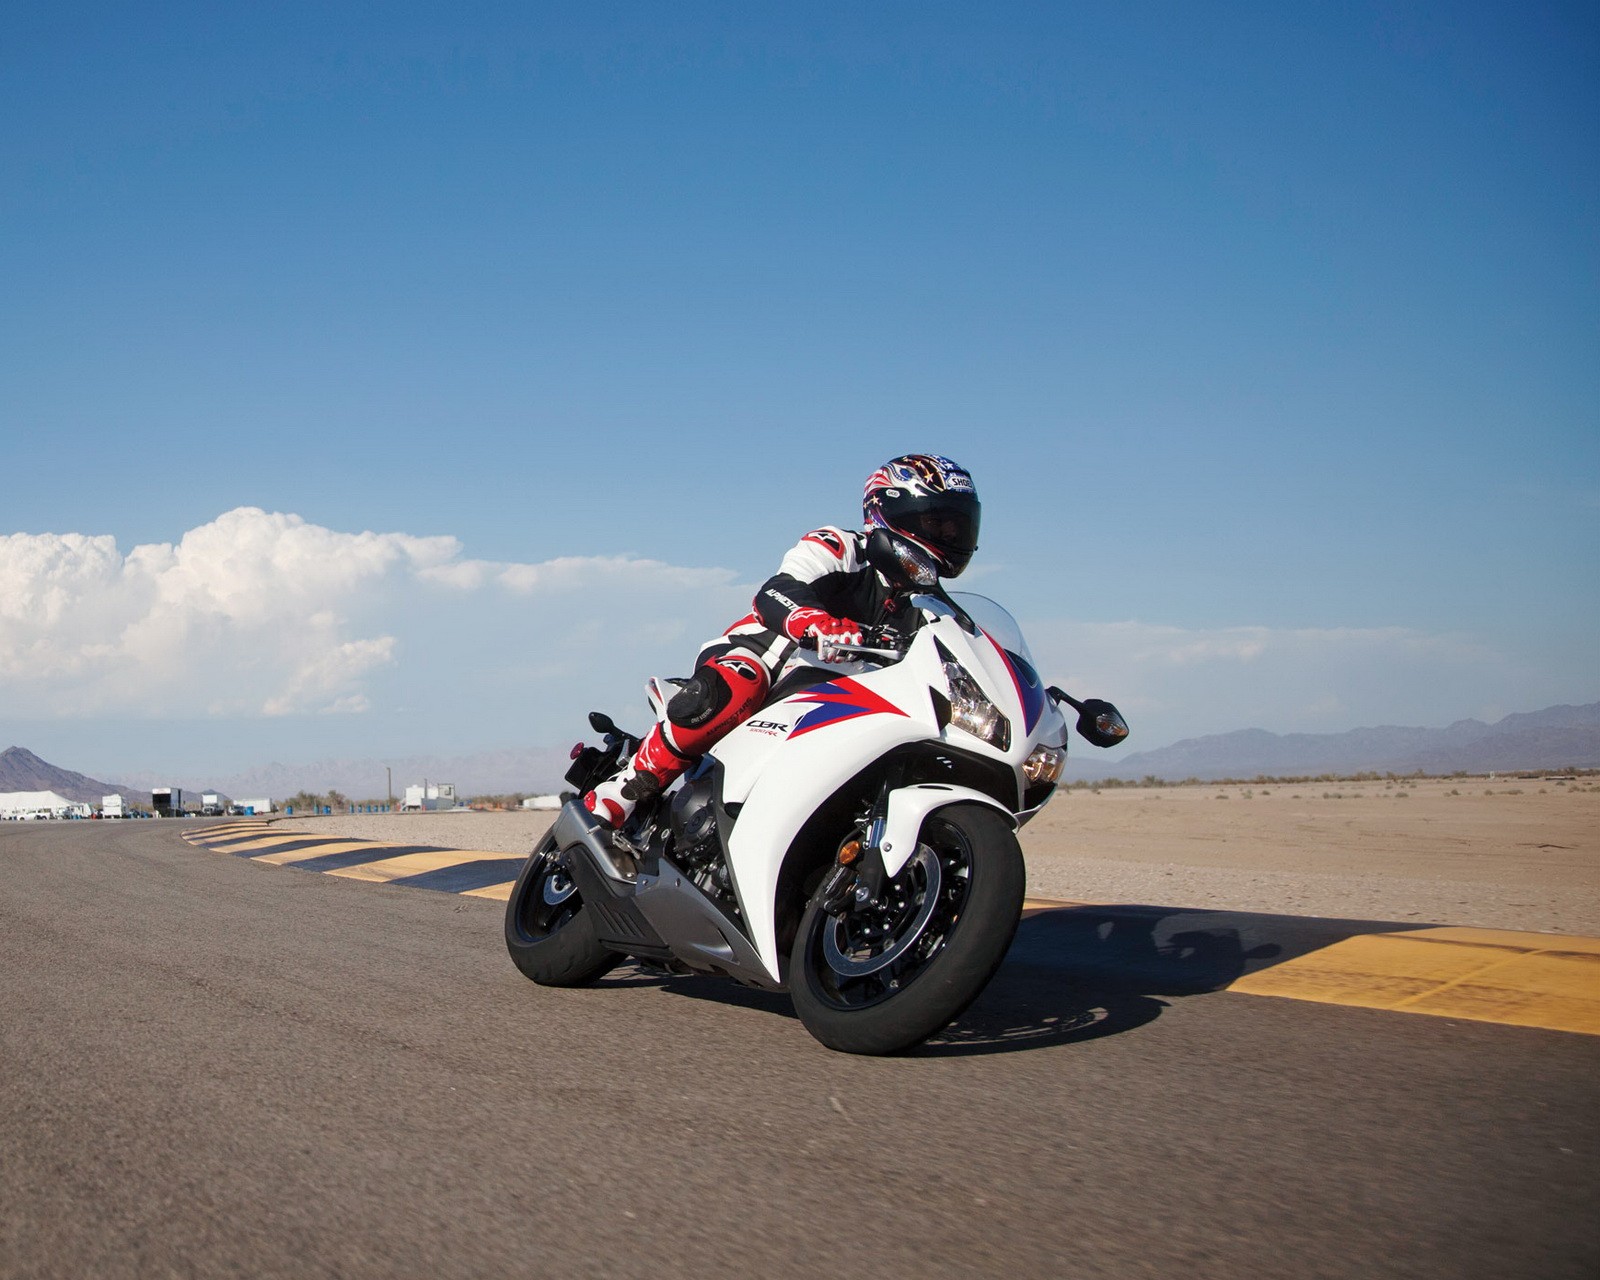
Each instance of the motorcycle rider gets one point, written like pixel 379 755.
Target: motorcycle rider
pixel 824 588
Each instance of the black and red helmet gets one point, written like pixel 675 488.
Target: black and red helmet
pixel 930 501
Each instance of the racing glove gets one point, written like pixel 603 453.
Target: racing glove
pixel 828 630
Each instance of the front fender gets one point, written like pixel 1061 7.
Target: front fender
pixel 909 806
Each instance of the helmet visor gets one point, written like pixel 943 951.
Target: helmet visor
pixel 945 523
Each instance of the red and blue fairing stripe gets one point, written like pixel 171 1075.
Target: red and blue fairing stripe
pixel 1030 689
pixel 839 700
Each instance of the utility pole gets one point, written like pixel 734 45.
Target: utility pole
pixel 388 773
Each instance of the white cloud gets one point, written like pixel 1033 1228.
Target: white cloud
pixel 327 674
pixel 255 613
pixel 264 616
pixel 601 573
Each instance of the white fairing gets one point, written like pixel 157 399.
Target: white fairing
pixel 910 805
pixel 788 759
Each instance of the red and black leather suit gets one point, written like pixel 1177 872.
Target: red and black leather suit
pixel 823 586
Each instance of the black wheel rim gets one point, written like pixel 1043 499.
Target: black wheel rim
pixel 859 959
pixel 549 899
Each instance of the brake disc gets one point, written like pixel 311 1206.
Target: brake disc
pixel 855 966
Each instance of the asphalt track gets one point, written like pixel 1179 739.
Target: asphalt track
pixel 1484 975
pixel 209 1067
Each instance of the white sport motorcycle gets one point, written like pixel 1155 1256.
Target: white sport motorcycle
pixel 853 842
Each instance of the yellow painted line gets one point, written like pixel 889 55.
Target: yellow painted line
pixel 411 864
pixel 499 892
pixel 1031 906
pixel 380 870
pixel 1475 975
pixel 274 842
pixel 1480 975
pixel 289 857
pixel 1511 938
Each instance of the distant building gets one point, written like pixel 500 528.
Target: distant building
pixel 25 805
pixel 430 796
pixel 542 802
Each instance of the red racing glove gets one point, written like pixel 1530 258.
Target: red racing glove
pixel 828 630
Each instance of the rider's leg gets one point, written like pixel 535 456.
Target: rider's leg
pixel 725 690
pixel 655 766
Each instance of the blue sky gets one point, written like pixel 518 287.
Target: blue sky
pixel 1270 333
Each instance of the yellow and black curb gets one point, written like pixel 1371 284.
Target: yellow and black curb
pixel 1480 975
pixel 477 873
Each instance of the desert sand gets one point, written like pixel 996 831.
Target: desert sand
pixel 1498 853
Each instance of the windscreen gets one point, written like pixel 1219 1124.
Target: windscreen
pixel 996 621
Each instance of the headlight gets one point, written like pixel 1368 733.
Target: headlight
pixel 971 710
pixel 1044 764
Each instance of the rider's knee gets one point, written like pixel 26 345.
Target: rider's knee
pixel 720 694
pixel 699 700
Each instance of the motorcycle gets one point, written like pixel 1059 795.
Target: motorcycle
pixel 853 842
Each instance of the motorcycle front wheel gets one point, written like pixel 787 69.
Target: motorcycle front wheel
pixel 883 979
pixel 550 936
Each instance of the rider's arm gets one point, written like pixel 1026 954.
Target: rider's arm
pixel 808 581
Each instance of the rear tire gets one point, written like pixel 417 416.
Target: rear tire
pixel 550 936
pixel 883 981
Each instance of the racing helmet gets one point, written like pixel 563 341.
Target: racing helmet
pixel 927 500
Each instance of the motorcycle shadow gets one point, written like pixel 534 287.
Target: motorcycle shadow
pixel 1075 974
pixel 1024 1007
pixel 1080 973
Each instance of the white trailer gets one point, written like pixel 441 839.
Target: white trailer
pixel 111 807
pixel 430 796
pixel 213 804
pixel 258 806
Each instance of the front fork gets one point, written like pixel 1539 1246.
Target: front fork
pixel 857 877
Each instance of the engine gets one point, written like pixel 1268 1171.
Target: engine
pixel 695 846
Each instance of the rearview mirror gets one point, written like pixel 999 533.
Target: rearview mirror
pixel 1100 723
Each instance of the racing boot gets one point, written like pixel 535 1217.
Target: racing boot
pixel 655 767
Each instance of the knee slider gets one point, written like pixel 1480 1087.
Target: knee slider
pixel 703 695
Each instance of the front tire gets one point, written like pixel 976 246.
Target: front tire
pixel 885 979
pixel 550 936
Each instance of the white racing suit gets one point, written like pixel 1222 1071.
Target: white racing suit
pixel 823 587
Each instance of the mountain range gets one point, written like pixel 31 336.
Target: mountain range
pixel 21 770
pixel 1562 737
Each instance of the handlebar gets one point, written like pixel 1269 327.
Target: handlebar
pixel 887 646
pixel 862 651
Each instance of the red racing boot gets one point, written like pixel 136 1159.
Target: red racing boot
pixel 655 767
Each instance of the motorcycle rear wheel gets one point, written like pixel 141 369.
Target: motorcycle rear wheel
pixel 550 936
pixel 884 980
